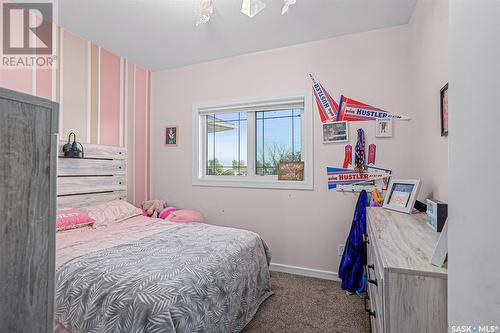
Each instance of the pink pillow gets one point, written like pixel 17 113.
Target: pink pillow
pixel 166 212
pixel 70 218
pixel 184 216
pixel 111 212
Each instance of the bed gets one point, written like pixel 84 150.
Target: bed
pixel 149 275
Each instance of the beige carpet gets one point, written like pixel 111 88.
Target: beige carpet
pixel 302 304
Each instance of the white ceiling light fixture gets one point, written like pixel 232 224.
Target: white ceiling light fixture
pixel 286 5
pixel 206 9
pixel 252 7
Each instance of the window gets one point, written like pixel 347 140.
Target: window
pixel 277 139
pixel 241 142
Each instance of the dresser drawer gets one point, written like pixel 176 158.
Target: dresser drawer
pixel 375 311
pixel 375 284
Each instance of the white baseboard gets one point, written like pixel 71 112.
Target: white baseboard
pixel 310 272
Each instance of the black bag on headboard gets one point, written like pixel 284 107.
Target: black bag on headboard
pixel 71 149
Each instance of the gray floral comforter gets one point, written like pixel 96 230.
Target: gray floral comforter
pixel 192 278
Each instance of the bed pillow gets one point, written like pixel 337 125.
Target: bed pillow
pixel 112 211
pixel 70 218
pixel 184 216
pixel 166 212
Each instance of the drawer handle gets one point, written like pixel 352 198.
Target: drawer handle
pixel 372 267
pixel 365 300
pixel 365 239
pixel 370 312
pixel 373 281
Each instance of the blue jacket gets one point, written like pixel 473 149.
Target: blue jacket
pixel 354 256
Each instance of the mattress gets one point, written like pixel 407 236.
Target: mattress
pixel 148 275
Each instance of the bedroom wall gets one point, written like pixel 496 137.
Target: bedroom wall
pixel 103 98
pixel 428 29
pixel 303 228
pixel 473 289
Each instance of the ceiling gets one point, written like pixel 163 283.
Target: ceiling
pixel 161 34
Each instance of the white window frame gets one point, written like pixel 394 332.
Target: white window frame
pixel 252 180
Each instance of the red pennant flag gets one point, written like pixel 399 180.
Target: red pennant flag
pixel 327 107
pixel 352 110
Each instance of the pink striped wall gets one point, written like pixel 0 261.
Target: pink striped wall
pixel 17 79
pixel 140 136
pixel 148 137
pixel 44 83
pixel 109 94
pixel 109 98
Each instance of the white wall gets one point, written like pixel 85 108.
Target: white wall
pixel 428 74
pixel 303 228
pixel 474 99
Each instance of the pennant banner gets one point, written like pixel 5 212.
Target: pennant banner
pixel 351 110
pixel 340 176
pixel 327 107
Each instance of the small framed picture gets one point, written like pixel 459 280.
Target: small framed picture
pixel 171 136
pixel 383 128
pixel 291 171
pixel 401 194
pixel 337 131
pixel 444 110
pixel 441 250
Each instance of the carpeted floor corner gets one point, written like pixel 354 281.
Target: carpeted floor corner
pixel 302 304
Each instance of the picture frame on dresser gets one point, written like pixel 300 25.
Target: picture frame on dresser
pixel 401 194
pixel 441 251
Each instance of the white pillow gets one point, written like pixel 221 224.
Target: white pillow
pixel 111 212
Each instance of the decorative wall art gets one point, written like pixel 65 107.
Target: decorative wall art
pixel 337 131
pixel 171 136
pixel 360 152
pixel 385 181
pixel 347 109
pixel 372 149
pixel 341 176
pixel 347 156
pixel 291 171
pixel 383 128
pixel 327 107
pixel 352 110
pixel 444 110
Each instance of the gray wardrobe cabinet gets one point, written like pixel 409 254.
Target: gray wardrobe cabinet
pixel 28 150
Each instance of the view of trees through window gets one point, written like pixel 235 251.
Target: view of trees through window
pixel 277 138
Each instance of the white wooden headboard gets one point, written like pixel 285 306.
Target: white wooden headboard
pixel 98 177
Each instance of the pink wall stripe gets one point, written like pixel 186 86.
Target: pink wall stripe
pixel 17 79
pixel 140 132
pixel 148 137
pixel 110 99
pixel 44 83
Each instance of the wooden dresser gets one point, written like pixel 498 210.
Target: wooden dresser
pixel 405 292
pixel 28 150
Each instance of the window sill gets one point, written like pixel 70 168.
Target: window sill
pixel 254 183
